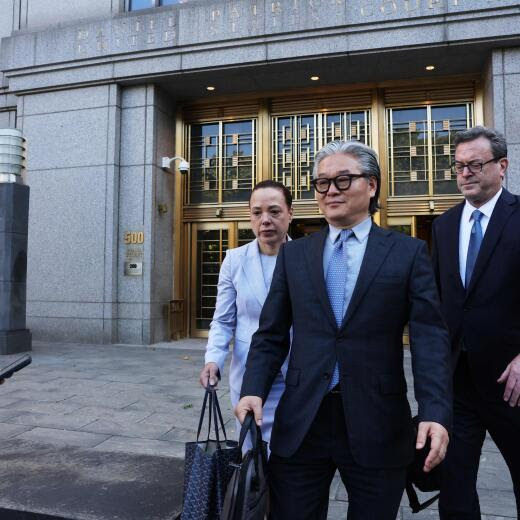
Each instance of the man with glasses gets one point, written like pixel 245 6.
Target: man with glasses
pixel 349 290
pixel 477 265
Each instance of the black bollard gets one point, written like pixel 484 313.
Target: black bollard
pixel 14 217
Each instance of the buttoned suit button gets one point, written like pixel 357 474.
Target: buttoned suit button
pixel 326 375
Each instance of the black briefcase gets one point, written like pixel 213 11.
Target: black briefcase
pixel 417 478
pixel 247 494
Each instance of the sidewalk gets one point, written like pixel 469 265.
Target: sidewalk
pixel 97 433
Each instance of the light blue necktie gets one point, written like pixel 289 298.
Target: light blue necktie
pixel 336 281
pixel 474 245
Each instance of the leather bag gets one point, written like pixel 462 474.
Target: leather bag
pixel 247 495
pixel 417 478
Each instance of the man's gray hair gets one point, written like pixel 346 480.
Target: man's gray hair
pixel 366 157
pixel 495 138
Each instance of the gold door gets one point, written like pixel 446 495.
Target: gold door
pixel 210 242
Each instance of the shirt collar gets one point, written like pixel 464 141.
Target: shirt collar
pixel 486 209
pixel 360 230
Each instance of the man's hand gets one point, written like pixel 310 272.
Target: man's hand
pixel 512 375
pixel 211 372
pixel 439 439
pixel 249 403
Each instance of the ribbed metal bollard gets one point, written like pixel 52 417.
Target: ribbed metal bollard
pixel 14 217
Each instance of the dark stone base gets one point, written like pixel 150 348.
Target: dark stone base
pixel 11 514
pixel 15 341
pixel 43 482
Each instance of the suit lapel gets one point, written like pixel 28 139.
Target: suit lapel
pixel 504 207
pixel 452 245
pixel 314 256
pixel 378 246
pixel 253 272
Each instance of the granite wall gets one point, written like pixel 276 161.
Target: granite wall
pixel 502 107
pixel 92 169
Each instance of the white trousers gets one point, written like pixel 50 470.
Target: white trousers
pixel 267 413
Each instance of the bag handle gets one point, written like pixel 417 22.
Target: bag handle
pixel 203 412
pixel 214 413
pixel 249 426
pixel 413 499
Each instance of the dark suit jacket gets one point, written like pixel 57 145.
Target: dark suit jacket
pixel 486 316
pixel 395 286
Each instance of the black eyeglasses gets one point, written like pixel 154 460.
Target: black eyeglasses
pixel 473 166
pixel 342 182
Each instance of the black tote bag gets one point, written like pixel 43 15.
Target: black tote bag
pixel 207 466
pixel 247 494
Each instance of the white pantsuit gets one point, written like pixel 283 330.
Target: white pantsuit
pixel 241 295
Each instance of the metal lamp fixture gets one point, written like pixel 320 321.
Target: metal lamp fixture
pixel 184 165
pixel 12 156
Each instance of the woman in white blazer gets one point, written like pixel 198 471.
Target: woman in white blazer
pixel 244 281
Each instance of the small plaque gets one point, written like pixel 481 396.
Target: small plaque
pixel 447 175
pixel 337 131
pixel 207 140
pixel 412 126
pixel 287 158
pixel 206 186
pixel 288 134
pixel 446 124
pixel 304 157
pixel 288 182
pixel 234 160
pixel 413 151
pixel 303 181
pixel 303 134
pixel 206 163
pixel 446 149
pixel 413 175
pixel 235 138
pixel 353 130
pixel 234 184
pixel 133 268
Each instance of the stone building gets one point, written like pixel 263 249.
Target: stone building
pixel 122 251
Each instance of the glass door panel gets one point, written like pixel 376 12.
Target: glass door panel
pixel 409 151
pixel 209 245
pixel 297 139
pixel 222 157
pixel 446 122
pixel 420 148
pixel 204 159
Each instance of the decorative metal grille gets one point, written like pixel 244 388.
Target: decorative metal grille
pixel 222 158
pixel 211 249
pixel 297 139
pixel 245 236
pixel 420 148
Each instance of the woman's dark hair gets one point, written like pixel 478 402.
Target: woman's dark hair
pixel 277 186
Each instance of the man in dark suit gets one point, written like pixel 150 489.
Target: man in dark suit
pixel 348 291
pixel 477 265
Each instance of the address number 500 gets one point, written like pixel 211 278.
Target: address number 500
pixel 134 237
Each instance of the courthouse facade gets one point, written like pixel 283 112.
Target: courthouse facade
pixel 122 251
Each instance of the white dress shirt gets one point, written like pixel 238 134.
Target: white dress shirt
pixel 466 224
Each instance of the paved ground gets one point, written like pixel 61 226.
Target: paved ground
pixel 97 432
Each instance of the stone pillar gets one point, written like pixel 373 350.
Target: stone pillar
pixel 501 106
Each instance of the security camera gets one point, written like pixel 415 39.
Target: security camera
pixel 184 166
pixel 166 163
